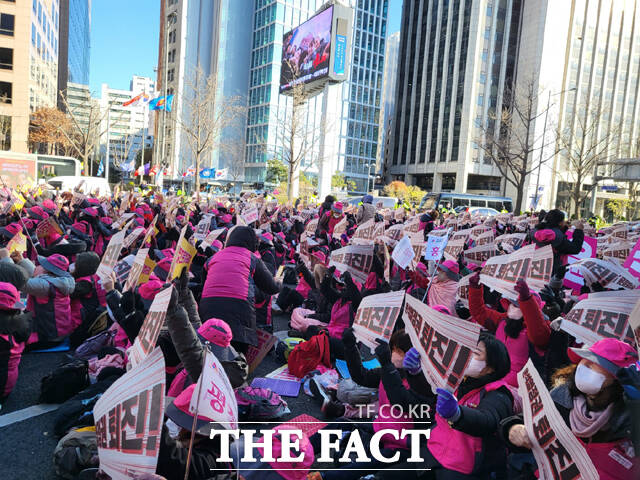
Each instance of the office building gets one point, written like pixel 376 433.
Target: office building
pixel 74 44
pixel 28 66
pixel 355 114
pixel 124 127
pixel 585 59
pixel 388 98
pixel 456 59
pixel 214 36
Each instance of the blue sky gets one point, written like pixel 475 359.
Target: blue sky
pixel 124 40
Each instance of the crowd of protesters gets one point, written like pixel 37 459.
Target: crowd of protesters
pixel 52 291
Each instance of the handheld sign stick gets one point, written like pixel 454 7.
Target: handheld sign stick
pixel 435 272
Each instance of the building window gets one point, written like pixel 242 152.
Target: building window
pixel 7 24
pixel 6 92
pixel 5 132
pixel 6 58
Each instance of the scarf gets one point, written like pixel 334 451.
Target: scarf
pixel 585 423
pixel 443 293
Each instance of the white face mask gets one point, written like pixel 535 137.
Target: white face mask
pixel 514 312
pixel 475 367
pixel 589 381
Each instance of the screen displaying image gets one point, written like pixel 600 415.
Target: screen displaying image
pixel 306 50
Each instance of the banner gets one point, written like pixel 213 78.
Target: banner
pixel 393 234
pixel 376 317
pixel 634 322
pixel 152 231
pixel 418 245
pixel 619 231
pixel 479 231
pixel 18 243
pixel 454 247
pixel 602 315
pixel 398 214
pixel 147 337
pixel 485 238
pixel 559 454
pixel 445 343
pixel 217 399
pixel 132 237
pixel 462 293
pixel 412 225
pixel 183 256
pixel 136 269
pixel 618 251
pixel 403 252
pixel 368 232
pixel 340 227
pixel 501 273
pixel 111 255
pixel 510 243
pixel 606 273
pixel 250 215
pixel 356 259
pixel 128 419
pixel 124 218
pixel 311 226
pixel 573 278
pixel 480 254
pixel 435 246
pixel 123 267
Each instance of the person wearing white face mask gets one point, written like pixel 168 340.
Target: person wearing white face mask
pixel 590 400
pixel 464 443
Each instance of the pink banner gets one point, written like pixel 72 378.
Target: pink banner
pixel 573 278
pixel 633 261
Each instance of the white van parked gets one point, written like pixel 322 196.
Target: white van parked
pixel 96 185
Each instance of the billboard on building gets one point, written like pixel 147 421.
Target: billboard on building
pixel 317 50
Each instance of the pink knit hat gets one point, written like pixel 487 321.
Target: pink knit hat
pixel 217 332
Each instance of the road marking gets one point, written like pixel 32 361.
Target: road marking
pixel 26 413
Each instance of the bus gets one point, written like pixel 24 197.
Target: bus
pixel 49 166
pixel 18 169
pixel 455 200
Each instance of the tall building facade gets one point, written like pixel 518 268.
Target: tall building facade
pixel 74 44
pixel 456 59
pixel 585 56
pixel 28 66
pixel 388 98
pixel 213 36
pixel 355 115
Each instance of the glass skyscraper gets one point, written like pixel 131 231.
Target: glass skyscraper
pixel 79 40
pixel 356 120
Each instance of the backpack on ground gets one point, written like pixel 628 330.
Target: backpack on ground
pixel 91 346
pixel 307 355
pixel 285 346
pixel 260 404
pixel 64 382
pixel 353 394
pixel 75 452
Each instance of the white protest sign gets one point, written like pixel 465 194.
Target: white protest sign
pixel 211 237
pixel 147 337
pixel 606 273
pixel 573 278
pixel 376 317
pixel 250 215
pixel 132 237
pixel 403 252
pixel 368 232
pixel 357 259
pixel 111 255
pixel 534 265
pixel 217 399
pixel 602 315
pixel 136 269
pixel 435 246
pixel 559 454
pixel 202 229
pixel 128 419
pixel 445 343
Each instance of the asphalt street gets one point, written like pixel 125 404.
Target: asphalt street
pixel 26 446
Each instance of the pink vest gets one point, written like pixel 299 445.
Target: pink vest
pixel 92 300
pixel 52 315
pixel 384 421
pixel 229 275
pixel 340 318
pixel 612 461
pixel 518 349
pixel 13 362
pixel 303 288
pixel 454 449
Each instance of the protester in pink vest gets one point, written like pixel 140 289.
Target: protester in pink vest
pixel 229 290
pixel 523 328
pixel 48 299
pixel 464 443
pixel 590 399
pixel 88 296
pixel 395 388
pixel 14 332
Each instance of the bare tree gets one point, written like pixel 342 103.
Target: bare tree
pixel 582 145
pixel 45 125
pixel 85 128
pixel 235 160
pixel 121 149
pixel 514 147
pixel 206 115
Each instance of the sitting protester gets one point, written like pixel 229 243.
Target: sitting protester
pixel 14 332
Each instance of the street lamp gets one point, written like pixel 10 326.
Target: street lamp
pixel 544 131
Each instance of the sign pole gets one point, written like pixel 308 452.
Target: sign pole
pixel 195 414
pixel 435 272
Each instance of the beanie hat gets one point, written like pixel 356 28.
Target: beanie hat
pixel 148 292
pixel 56 264
pixel 9 297
pixel 86 264
pixel 11 230
pixel 367 199
pixel 37 213
pixel 337 207
pixel 216 331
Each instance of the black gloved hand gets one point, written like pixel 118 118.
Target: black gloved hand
pixel 383 352
pixel 182 282
pixel 348 338
pixel 173 302
pixel 128 302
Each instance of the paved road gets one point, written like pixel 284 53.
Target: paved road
pixel 26 446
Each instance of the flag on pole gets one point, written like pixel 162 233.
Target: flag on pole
pixel 221 173
pixel 206 172
pixel 154 170
pixel 146 168
pixel 100 168
pixel 161 103
pixel 139 171
pixel 132 101
pixel 191 171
